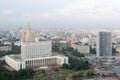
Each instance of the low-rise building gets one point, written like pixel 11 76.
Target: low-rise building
pixel 17 43
pixel 7 43
pixel 5 48
pixel 17 62
pixel 82 48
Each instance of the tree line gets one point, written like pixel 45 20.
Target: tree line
pixel 15 75
pixel 75 64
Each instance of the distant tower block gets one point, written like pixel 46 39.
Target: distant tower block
pixel 28 35
pixel 70 42
pixel 104 44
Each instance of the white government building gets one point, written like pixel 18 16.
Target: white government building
pixel 34 53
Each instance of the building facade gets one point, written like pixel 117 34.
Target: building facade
pixel 36 49
pixel 5 48
pixel 21 63
pixel 28 35
pixel 82 48
pixel 104 44
pixel 34 54
pixel 17 43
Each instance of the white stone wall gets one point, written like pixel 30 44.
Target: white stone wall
pixel 14 63
pixel 62 59
pixel 46 61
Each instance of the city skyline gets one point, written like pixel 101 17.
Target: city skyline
pixel 81 14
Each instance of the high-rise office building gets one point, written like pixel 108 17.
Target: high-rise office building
pixel 104 44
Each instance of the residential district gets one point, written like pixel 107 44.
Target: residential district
pixel 59 54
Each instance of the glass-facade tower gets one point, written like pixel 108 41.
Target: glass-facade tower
pixel 104 44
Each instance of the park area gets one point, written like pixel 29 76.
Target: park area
pixel 40 75
pixel 64 71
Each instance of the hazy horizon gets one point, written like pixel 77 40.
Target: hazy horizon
pixel 81 14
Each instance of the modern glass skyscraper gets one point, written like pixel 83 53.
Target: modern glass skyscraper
pixel 104 44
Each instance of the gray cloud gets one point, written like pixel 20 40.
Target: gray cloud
pixel 54 13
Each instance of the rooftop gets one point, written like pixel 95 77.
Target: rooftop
pixel 18 57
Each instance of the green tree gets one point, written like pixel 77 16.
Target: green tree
pixel 65 66
pixel 92 50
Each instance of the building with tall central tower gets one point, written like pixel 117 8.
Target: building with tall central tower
pixel 34 49
pixel 34 53
pixel 104 44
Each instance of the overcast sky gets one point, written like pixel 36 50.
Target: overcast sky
pixel 60 13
